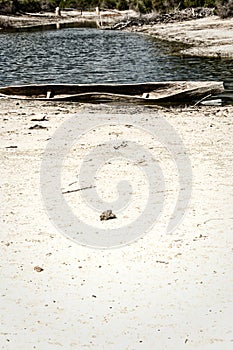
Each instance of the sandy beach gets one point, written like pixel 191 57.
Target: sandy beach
pixel 161 291
pixel 156 291
pixel 208 37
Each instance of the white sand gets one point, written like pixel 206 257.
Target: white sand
pixel 161 292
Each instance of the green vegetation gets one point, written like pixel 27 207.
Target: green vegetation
pixel 223 7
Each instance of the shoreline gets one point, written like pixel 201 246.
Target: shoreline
pixel 206 37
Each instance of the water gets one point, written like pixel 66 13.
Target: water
pixel 84 55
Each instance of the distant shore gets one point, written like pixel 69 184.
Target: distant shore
pixel 74 17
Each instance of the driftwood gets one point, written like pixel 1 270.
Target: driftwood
pixel 149 93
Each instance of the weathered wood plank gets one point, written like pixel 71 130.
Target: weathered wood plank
pixel 154 92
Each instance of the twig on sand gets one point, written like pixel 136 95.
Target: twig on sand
pixel 37 127
pixel 78 189
pixel 44 119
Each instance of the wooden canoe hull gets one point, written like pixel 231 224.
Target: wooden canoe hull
pixel 146 93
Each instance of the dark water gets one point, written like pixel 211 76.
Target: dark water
pixel 82 55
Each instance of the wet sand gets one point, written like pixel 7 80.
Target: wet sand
pixel 174 291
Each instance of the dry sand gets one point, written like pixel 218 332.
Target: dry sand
pixel 161 292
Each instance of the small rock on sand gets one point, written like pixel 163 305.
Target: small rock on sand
pixel 107 215
pixel 38 269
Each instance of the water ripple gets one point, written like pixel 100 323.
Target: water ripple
pixel 81 55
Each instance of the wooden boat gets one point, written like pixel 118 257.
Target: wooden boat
pixel 187 92
pixel 226 97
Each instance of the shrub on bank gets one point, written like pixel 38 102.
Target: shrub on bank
pixel 29 5
pixel 6 7
pixel 199 3
pixel 122 5
pixel 17 6
pixel 224 8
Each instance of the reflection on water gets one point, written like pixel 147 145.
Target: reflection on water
pixel 85 55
